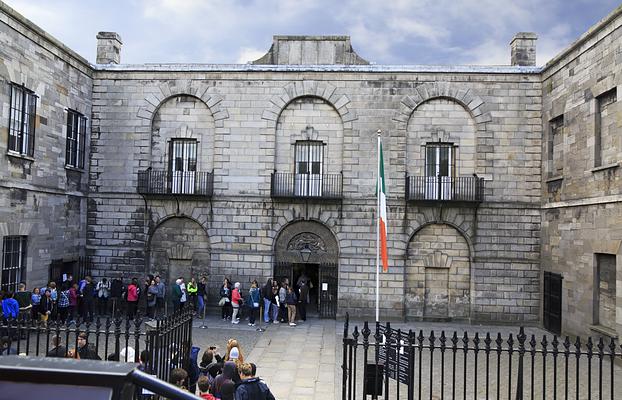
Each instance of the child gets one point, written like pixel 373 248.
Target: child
pixel 204 386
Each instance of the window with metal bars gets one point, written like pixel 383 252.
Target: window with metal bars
pixel 439 159
pixel 309 167
pixel 182 165
pixel 76 138
pixel 13 262
pixel 22 120
pixel 440 170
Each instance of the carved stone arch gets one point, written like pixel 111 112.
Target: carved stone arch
pixel 471 102
pixel 193 88
pixel 462 228
pixel 321 90
pixel 437 273
pixel 178 246
pixel 312 235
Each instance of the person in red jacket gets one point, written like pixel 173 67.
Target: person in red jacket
pixel 132 298
pixel 236 302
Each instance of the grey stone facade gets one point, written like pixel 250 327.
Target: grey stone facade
pixel 582 212
pixel 40 198
pixel 479 261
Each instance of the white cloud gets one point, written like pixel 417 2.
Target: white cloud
pixel 248 54
pixel 225 31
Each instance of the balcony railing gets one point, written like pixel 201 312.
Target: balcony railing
pixel 466 189
pixel 311 186
pixel 175 183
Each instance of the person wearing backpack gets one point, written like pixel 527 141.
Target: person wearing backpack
pixel 103 293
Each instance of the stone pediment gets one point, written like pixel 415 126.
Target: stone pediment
pixel 311 50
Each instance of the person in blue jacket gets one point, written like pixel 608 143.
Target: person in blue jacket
pixel 10 307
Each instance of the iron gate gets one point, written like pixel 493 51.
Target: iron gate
pixel 552 317
pixel 328 290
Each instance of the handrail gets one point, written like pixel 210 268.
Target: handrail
pixel 159 387
pixel 183 183
pixel 315 186
pixel 445 188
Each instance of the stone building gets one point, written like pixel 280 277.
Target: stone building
pixel 268 170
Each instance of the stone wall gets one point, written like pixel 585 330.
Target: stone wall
pixel 257 117
pixel 582 207
pixel 39 197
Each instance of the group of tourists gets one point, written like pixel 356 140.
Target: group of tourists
pixel 217 377
pixel 281 301
pixel 83 299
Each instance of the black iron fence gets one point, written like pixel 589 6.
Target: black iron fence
pixel 445 188
pixel 393 364
pixel 167 340
pixel 164 182
pixel 316 186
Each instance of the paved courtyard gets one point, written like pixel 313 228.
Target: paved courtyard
pixel 304 362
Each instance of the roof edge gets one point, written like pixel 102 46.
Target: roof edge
pixel 593 31
pixel 28 24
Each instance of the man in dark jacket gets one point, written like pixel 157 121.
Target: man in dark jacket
pixel 58 350
pixel 86 350
pixel 251 387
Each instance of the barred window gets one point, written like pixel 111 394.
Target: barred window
pixel 13 262
pixel 76 138
pixel 22 120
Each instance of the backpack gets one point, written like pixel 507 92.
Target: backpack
pixel 206 372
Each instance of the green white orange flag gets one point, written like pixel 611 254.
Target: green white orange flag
pixel 382 213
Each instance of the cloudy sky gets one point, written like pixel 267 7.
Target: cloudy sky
pixel 434 32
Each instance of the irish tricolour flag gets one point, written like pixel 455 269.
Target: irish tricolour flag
pixel 382 213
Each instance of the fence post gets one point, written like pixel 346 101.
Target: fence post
pixel 521 352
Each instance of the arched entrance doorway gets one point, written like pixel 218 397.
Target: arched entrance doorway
pixel 438 274
pixel 308 248
pixel 179 246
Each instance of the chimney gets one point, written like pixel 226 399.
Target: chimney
pixel 523 47
pixel 108 48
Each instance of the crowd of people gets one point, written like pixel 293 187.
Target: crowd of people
pixel 83 299
pixel 213 377
pixel 281 301
pixel 219 377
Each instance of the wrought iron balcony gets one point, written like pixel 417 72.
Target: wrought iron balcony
pixel 432 189
pixel 175 183
pixel 307 186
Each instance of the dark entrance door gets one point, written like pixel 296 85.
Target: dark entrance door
pixel 552 317
pixel 322 287
pixel 311 272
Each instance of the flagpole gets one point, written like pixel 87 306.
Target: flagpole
pixel 378 189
